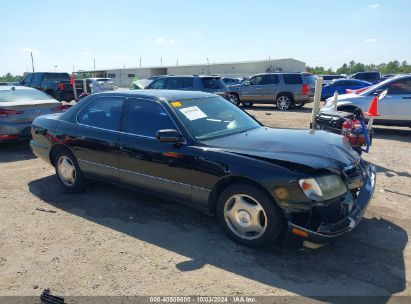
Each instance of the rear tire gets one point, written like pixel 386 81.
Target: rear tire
pixel 249 216
pixel 248 104
pixel 284 102
pixel 68 172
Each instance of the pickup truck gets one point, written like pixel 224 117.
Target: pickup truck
pixel 56 85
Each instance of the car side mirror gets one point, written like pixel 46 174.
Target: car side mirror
pixel 247 83
pixel 169 135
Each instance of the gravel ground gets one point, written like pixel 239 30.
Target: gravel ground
pixel 112 241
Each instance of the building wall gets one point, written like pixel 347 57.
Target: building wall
pixel 124 77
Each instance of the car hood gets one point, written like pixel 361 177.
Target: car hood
pixel 311 148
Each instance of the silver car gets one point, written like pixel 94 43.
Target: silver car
pixel 285 90
pixel 395 107
pixel 100 84
pixel 19 106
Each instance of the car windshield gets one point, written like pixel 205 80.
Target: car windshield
pixel 22 95
pixel 212 117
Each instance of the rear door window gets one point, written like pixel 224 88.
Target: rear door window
pixel 103 112
pixel 270 79
pixel 37 79
pixel 180 83
pixel 292 79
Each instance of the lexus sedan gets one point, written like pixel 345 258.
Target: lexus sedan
pixel 19 106
pixel 201 149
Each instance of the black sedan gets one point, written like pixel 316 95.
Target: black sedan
pixel 201 149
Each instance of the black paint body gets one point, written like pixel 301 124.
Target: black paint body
pixel 196 171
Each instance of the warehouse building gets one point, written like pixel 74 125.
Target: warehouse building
pixel 123 77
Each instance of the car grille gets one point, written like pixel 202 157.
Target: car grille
pixel 333 212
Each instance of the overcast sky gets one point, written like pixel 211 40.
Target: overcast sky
pixel 118 33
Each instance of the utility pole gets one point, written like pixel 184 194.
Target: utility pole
pixel 140 62
pixel 208 66
pixel 94 67
pixel 161 61
pixel 32 61
pixel 177 62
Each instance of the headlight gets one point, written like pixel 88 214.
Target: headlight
pixel 323 188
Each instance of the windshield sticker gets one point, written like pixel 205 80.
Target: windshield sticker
pixel 193 113
pixel 176 104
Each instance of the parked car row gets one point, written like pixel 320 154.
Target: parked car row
pixel 58 85
pixel 395 107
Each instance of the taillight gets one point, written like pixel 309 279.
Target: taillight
pixel 61 86
pixel 7 113
pixel 305 89
pixel 60 108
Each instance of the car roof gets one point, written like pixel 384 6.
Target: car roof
pixel 9 87
pixel 352 80
pixel 160 95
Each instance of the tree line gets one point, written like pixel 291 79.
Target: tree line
pixel 10 78
pixel 392 67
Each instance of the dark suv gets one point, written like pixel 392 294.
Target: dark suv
pixel 285 90
pixel 209 84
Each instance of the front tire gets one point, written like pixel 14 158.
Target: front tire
pixel 249 216
pixel 68 172
pixel 235 99
pixel 284 103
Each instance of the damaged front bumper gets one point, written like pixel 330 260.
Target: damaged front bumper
pixel 325 232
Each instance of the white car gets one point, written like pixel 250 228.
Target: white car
pixel 100 84
pixel 395 107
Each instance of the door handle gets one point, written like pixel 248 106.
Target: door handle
pixel 408 97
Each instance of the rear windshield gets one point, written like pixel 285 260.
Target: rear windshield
pixel 56 76
pixel 292 79
pixel 309 79
pixel 104 79
pixel 22 95
pixel 213 83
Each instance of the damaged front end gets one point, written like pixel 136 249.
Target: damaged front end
pixel 323 220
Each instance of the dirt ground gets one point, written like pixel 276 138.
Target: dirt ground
pixel 113 241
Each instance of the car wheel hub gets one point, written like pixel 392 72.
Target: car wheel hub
pixel 66 170
pixel 245 216
pixel 283 102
